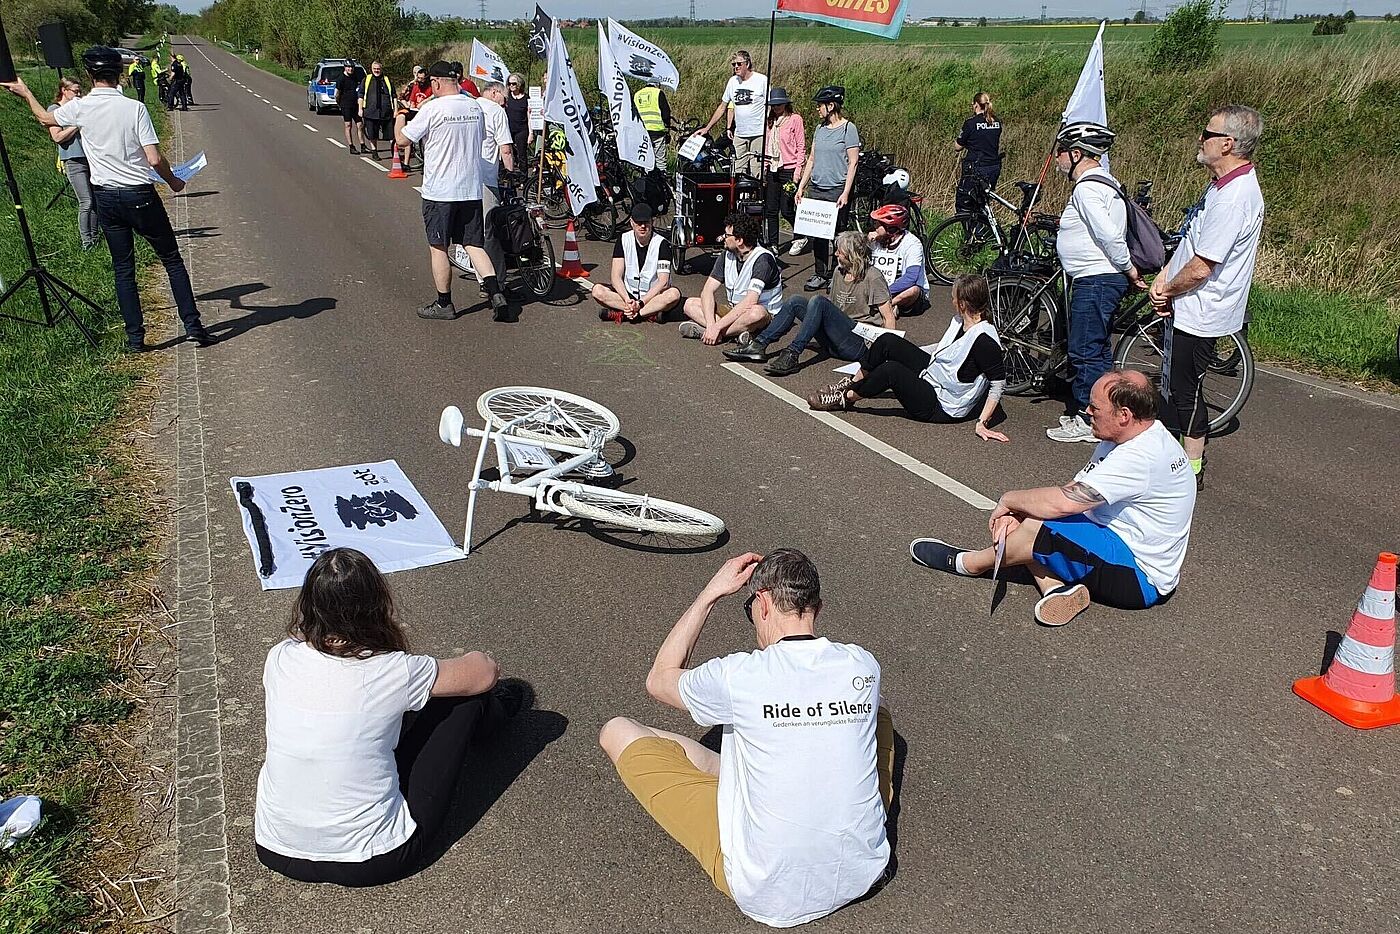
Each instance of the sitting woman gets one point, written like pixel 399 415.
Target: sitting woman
pixel 965 368
pixel 858 293
pixel 348 792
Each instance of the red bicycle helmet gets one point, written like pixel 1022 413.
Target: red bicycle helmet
pixel 893 216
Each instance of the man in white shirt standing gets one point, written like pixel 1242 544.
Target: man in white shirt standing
pixel 745 101
pixel 122 148
pixel 448 131
pixel 497 149
pixel 1205 288
pixel 1093 248
pixel 788 819
pixel 1115 534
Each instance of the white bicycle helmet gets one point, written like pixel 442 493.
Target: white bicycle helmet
pixel 898 177
pixel 1084 135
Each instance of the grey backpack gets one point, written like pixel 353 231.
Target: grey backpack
pixel 1147 246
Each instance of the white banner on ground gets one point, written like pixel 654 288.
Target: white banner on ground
pixel 1088 101
pixel 370 507
pixel 564 104
pixel 486 65
pixel 641 59
pixel 633 141
pixel 815 219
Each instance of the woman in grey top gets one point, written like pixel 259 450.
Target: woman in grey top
pixel 829 173
pixel 75 164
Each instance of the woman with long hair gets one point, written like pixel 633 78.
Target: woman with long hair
pixel 787 150
pixel 980 143
pixel 350 793
pixel 829 173
pixel 965 369
pixel 75 164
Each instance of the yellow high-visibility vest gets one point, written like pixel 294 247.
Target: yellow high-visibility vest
pixel 648 102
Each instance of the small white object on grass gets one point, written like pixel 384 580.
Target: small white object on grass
pixel 21 816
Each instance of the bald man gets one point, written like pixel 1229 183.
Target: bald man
pixel 1116 534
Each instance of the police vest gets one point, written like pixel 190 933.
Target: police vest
pixel 739 279
pixel 639 277
pixel 956 397
pixel 648 102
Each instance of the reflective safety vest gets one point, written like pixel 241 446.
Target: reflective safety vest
pixel 648 101
pixel 956 397
pixel 137 68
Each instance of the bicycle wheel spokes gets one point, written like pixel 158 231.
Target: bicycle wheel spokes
pixel 959 245
pixel 1228 381
pixel 1023 312
pixel 549 414
pixel 640 513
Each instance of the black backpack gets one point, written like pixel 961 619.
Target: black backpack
pixel 513 229
pixel 1147 245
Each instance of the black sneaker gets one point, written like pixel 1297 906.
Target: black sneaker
pixel 784 364
pixel 937 554
pixel 500 308
pixel 137 347
pixel 201 337
pixel 514 694
pixel 752 352
pixel 438 312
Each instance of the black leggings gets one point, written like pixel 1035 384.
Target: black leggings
pixel 893 364
pixel 1188 359
pixel 821 249
pixel 432 754
pixel 777 203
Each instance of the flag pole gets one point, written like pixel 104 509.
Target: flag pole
pixel 763 149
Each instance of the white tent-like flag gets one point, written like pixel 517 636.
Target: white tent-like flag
pixel 640 59
pixel 633 141
pixel 564 104
pixel 486 65
pixel 1088 101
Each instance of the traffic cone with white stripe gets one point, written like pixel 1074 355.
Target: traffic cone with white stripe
pixel 572 268
pixel 1359 686
pixel 396 169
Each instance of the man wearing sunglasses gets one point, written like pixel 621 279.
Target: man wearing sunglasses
pixel 788 819
pixel 1205 287
pixel 745 102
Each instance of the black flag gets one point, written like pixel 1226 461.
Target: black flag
pixel 539 33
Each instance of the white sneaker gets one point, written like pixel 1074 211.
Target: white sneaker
pixel 1075 429
pixel 798 246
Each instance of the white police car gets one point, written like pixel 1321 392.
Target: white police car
pixel 320 86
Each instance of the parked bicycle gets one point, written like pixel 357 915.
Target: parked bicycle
pixel 520 225
pixel 972 242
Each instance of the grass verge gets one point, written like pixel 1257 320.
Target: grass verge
pixel 72 535
pixel 1336 335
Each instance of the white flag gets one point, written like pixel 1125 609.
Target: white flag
pixel 633 141
pixel 1088 101
pixel 564 104
pixel 486 65
pixel 641 59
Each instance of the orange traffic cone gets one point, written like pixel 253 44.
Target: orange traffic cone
pixel 1359 687
pixel 396 169
pixel 572 268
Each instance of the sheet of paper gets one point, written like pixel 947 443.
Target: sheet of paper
pixel 1001 550
pixel 816 219
pixel 536 109
pixel 691 148
pixel 870 332
pixel 184 172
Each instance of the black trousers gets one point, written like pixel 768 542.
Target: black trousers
pixel 122 213
pixel 777 203
pixel 821 249
pixel 893 364
pixel 433 752
pixel 1187 359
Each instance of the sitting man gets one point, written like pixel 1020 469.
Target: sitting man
pixel 1116 533
pixel 753 288
pixel 900 258
pixel 788 819
pixel 641 274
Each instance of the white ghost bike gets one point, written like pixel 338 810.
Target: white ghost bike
pixel 540 436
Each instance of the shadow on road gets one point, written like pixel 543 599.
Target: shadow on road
pixel 197 233
pixel 259 315
pixel 196 194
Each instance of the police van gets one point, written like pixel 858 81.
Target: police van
pixel 320 86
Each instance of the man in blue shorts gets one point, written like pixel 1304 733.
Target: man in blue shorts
pixel 1115 534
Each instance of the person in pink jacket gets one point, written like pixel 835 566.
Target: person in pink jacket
pixel 787 151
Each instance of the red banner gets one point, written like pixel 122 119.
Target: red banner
pixel 880 12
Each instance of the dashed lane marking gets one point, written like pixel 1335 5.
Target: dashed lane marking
pixel 278 109
pixel 368 161
pixel 309 127
pixel 335 142
pixel 289 116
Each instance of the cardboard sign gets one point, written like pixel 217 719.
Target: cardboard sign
pixel 536 109
pixel 691 148
pixel 816 219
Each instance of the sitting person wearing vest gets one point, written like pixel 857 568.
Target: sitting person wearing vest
pixel 641 287
pixel 900 258
pixel 753 288
pixel 965 368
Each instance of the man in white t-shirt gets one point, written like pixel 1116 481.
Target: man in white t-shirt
pixel 1205 287
pixel 448 131
pixel 745 102
pixel 788 819
pixel 1115 534
pixel 899 257
pixel 497 150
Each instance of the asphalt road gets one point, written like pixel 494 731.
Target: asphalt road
pixel 1147 772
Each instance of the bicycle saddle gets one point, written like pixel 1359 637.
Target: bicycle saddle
pixel 1026 187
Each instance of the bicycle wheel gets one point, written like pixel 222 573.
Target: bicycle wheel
pixel 457 256
pixel 552 415
pixel 539 276
pixel 556 204
pixel 1228 380
pixel 961 244
pixel 642 513
pixel 600 220
pixel 1027 320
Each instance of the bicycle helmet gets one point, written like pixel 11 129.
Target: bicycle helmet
pixel 102 62
pixel 897 177
pixel 1093 138
pixel 892 216
pixel 831 94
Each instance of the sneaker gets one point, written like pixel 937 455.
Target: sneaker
pixel 1062 604
pixel 816 282
pixel 500 309
pixel 1076 429
pixel 744 338
pixel 514 695
pixel 752 352
pixel 798 246
pixel 1201 480
pixel 607 314
pixel 438 312
pixel 200 336
pixel 829 399
pixel 139 347
pixel 936 553
pixel 374 154
pixel 784 364
pixel 692 330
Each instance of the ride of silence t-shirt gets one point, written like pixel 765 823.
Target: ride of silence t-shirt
pixel 750 101
pixel 450 130
pixel 1149 493
pixel 801 823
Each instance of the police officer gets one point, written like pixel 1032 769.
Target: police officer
pixel 122 148
pixel 980 143
pixel 137 73
pixel 655 112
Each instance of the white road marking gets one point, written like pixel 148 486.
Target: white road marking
pixel 890 453
pixel 278 109
pixel 418 188
pixel 368 161
pixel 1383 400
pixel 290 116
pixel 335 142
pixel 309 127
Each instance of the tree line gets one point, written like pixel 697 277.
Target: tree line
pixel 87 22
pixel 295 33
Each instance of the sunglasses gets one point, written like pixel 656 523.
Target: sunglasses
pixel 1211 134
pixel 737 64
pixel 748 605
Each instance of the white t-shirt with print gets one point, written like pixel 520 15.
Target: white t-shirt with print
pixel 750 102
pixel 1149 494
pixel 329 787
pixel 907 253
pixel 450 130
pixel 801 823
pixel 1225 231
pixel 495 133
